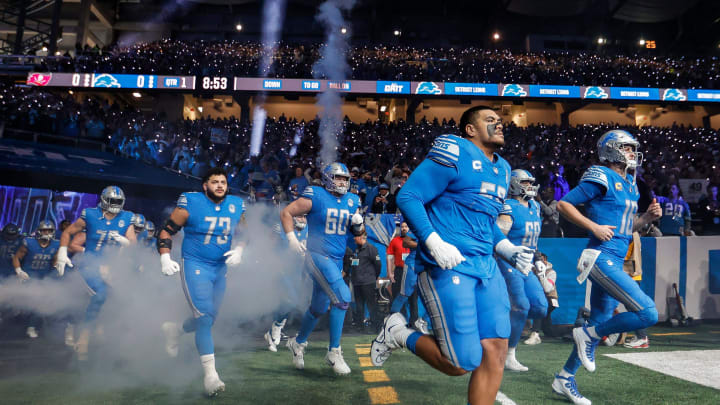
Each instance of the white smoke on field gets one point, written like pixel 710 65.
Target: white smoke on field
pixel 333 66
pixel 273 17
pixel 127 346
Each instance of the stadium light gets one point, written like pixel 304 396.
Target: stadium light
pixel 641 42
pixel 383 108
pixel 601 41
pixel 496 36
pixel 343 30
pixel 238 27
pixel 397 33
pixel 136 94
pixel 44 48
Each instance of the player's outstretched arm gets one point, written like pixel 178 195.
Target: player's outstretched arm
pixel 62 257
pixel 297 208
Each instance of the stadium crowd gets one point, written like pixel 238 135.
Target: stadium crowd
pixel 557 156
pixel 395 62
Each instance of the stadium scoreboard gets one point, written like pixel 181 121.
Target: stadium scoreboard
pixel 427 88
pixel 111 81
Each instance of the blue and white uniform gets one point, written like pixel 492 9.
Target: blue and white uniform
pixel 38 261
pixel 328 224
pixel 675 215
pixel 208 235
pixel 611 199
pixel 100 252
pixel 458 192
pixel 527 298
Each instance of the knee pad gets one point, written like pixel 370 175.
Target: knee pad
pixel 342 305
pixel 649 316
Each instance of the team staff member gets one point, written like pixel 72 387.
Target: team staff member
pixel 363 265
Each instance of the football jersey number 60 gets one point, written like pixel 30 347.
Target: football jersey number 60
pixel 336 221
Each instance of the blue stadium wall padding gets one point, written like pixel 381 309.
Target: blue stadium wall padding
pixel 714 268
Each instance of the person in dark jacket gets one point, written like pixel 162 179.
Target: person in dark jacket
pixel 363 265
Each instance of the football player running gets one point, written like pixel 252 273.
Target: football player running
pixel 107 229
pixel 610 196
pixel 520 220
pixel 273 336
pixel 451 202
pixel 38 256
pixel 332 214
pixel 210 220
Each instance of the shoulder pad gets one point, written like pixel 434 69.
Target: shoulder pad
pixel 595 174
pixel 445 151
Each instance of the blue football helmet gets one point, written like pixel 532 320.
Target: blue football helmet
pixel 611 148
pixel 150 228
pixel 45 230
pixel 112 199
pixel 138 222
pixel 336 178
pixel 517 188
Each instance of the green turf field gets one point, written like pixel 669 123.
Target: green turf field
pixel 258 376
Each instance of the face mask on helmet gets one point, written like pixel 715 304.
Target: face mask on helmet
pixel 336 178
pixel 45 231
pixel 138 222
pixel 299 224
pixel 10 232
pixel 150 227
pixel 522 184
pixel 112 199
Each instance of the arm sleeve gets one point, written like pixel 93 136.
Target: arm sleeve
pixel 424 185
pixel 584 192
pixel 182 201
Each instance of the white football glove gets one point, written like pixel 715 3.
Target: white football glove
pixel 123 241
pixel 22 275
pixel 62 260
pixel 519 257
pixel 234 256
pixel 446 255
pixel 357 219
pixel 168 265
pixel 294 243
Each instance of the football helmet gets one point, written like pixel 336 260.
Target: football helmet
pixel 150 228
pixel 138 222
pixel 611 148
pixel 336 178
pixel 112 199
pixel 10 232
pixel 517 188
pixel 45 230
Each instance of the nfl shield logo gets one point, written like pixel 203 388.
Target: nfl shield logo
pixel 350 203
pixel 121 223
pixel 456 280
pixel 609 262
pixel 495 170
pixel 232 208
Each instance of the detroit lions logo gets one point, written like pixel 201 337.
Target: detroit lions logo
pixel 513 90
pixel 674 95
pixel 350 203
pixel 105 80
pixel 121 223
pixel 595 92
pixel 428 88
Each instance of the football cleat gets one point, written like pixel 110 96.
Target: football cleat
pixel 534 339
pixel 611 339
pixel 512 364
pixel 422 326
pixel 31 332
pixel 385 342
pixel 636 343
pixel 272 346
pixel 567 387
pixel 585 345
pixel 213 384
pixel 298 352
pixel 334 358
pixel 276 331
pixel 171 330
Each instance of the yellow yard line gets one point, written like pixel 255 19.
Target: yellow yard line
pixel 383 395
pixel 673 334
pixel 373 376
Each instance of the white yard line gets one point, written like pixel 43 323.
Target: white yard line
pixel 697 366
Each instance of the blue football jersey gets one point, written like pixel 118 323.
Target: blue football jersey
pixel 617 208
pixel 526 224
pixel 97 228
pixel 329 221
pixel 674 214
pixel 7 251
pixel 410 259
pixel 210 227
pixel 39 259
